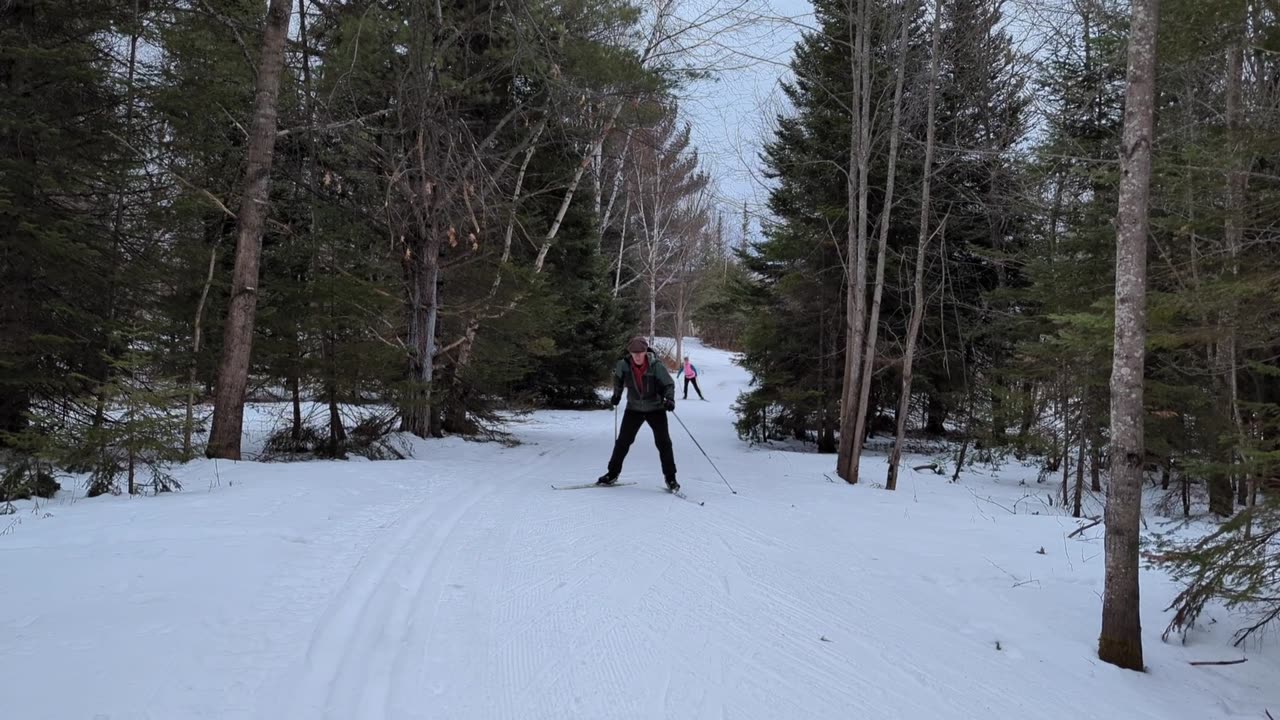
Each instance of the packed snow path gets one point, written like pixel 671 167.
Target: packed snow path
pixel 460 585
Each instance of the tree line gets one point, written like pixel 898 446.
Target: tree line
pixel 383 215
pixel 1040 228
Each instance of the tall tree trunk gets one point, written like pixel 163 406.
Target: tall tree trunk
pixel 873 322
pixel 335 444
pixel 457 421
pixel 197 334
pixel 1120 642
pixel 859 169
pixel 1076 509
pixel 237 341
pixel 422 277
pixel 1066 446
pixel 424 185
pixel 1236 188
pixel 922 243
pixel 108 349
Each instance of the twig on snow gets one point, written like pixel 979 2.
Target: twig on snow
pixel 1096 521
pixel 1220 662
pixel 989 500
pixel 1017 582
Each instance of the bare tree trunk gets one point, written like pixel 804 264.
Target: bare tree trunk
pixel 1095 465
pixel 337 432
pixel 680 324
pixel 1066 446
pixel 964 450
pixel 458 417
pixel 422 277
pixel 1236 188
pixel 188 426
pixel 917 305
pixel 1120 642
pixel 859 168
pixel 565 202
pixel 606 216
pixel 653 307
pixel 237 344
pixel 622 247
pixel 295 392
pixel 1076 510
pixel 886 213
pixel 423 118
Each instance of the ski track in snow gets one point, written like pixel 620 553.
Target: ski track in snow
pixel 461 586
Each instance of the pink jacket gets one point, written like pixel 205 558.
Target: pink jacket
pixel 689 370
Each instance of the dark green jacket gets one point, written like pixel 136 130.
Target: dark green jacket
pixel 657 386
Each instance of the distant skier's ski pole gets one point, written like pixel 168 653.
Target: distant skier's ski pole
pixel 704 453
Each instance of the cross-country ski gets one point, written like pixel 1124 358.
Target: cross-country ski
pixel 585 486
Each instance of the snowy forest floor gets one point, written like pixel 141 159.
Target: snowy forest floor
pixel 460 585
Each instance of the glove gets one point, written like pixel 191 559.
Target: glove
pixel 617 398
pixel 669 404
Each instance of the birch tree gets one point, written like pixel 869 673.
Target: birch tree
pixel 873 322
pixel 668 193
pixel 922 244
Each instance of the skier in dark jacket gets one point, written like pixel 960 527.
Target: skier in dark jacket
pixel 651 394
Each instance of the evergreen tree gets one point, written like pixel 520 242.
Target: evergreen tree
pixel 61 165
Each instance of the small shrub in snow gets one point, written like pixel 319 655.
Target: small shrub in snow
pixel 25 477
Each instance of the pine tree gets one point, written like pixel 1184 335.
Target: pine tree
pixel 61 165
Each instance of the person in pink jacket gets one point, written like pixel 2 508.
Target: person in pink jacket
pixel 691 376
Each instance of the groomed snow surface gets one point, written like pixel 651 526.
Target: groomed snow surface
pixel 459 585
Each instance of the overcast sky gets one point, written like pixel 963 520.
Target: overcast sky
pixel 733 112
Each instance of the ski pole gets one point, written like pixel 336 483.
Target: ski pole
pixel 615 423
pixel 704 453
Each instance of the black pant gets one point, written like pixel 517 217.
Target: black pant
pixel 693 380
pixel 631 422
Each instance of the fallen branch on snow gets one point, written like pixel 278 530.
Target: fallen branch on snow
pixel 1219 662
pixel 1096 521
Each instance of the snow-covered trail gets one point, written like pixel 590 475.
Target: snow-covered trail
pixel 461 586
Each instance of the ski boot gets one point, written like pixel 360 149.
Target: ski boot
pixel 672 485
pixel 607 479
